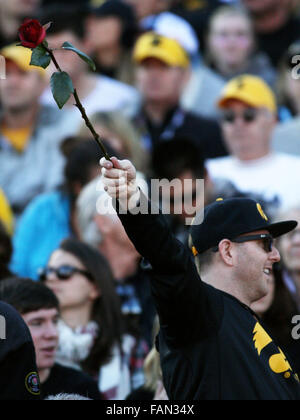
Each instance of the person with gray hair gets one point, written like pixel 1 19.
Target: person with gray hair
pixel 67 397
pixel 99 226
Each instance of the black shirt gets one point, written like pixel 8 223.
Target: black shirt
pixel 205 132
pixel 275 44
pixel 212 347
pixel 69 381
pixel 18 372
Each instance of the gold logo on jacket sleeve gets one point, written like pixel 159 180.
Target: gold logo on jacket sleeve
pixel 278 362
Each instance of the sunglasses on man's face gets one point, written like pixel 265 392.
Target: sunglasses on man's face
pixel 64 272
pixel 266 239
pixel 248 115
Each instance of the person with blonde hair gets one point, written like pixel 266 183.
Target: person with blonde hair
pixel 153 388
pixel 120 134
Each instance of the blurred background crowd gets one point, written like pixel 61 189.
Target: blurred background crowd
pixel 185 89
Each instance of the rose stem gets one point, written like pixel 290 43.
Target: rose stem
pixel 81 108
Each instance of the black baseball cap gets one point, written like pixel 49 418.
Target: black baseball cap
pixel 230 218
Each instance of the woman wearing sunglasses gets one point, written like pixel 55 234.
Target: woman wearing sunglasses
pixel 90 330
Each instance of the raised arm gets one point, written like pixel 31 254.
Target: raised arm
pixel 180 295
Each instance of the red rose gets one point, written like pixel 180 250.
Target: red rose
pixel 31 33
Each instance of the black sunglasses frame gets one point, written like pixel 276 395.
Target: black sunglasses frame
pixel 267 238
pixel 44 272
pixel 249 115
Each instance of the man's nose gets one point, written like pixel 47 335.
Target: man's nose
pixel 275 255
pixel 51 331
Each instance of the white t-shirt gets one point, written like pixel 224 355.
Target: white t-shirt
pixel 108 95
pixel 275 178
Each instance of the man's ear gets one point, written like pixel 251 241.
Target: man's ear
pixel 226 252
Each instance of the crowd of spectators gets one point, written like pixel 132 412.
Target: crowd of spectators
pixel 185 90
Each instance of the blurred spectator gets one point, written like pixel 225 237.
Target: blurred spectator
pixel 34 241
pixel 153 388
pixel 288 86
pixel 90 332
pixel 181 160
pixel 275 25
pixel 197 13
pixel 6 216
pixel 276 310
pixel 30 134
pixel 172 26
pixel 97 93
pixel 202 91
pixel 100 227
pixel 289 248
pixel 119 132
pixel 12 14
pixel 286 135
pixel 39 308
pixel 5 252
pixel 249 117
pixel 111 30
pixel 18 372
pixel 231 49
pixel 203 85
pixel 145 8
pixel 163 69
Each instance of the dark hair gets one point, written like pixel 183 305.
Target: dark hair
pixel 106 309
pixel 5 252
pixel 26 295
pixel 171 158
pixel 278 317
pixel 64 18
pixel 126 14
pixel 82 155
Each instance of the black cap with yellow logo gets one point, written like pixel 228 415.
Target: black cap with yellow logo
pixel 230 218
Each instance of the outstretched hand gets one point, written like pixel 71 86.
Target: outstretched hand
pixel 119 179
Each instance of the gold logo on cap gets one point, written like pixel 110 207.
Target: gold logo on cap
pixel 156 41
pixel 240 82
pixel 261 212
pixel 220 199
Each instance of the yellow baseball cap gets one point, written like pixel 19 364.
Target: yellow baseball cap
pixel 21 56
pixel 168 50
pixel 249 89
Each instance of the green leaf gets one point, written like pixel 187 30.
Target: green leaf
pixel 83 56
pixel 40 57
pixel 62 88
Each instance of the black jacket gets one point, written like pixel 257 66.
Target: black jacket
pixel 18 372
pixel 69 381
pixel 212 346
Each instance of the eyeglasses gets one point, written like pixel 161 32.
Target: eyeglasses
pixel 267 240
pixel 64 272
pixel 249 115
